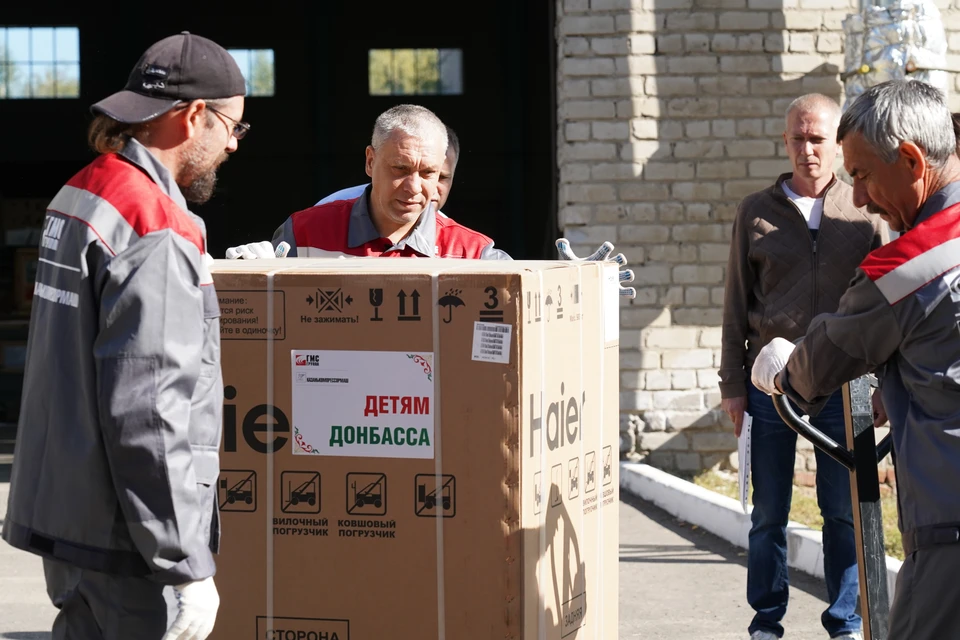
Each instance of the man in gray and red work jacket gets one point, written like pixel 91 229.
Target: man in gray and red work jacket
pixel 899 318
pixel 114 478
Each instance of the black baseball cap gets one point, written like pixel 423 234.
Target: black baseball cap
pixel 176 69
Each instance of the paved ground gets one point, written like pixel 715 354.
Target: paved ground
pixel 679 582
pixel 25 611
pixel 676 582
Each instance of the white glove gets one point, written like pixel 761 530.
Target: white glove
pixel 770 361
pixel 197 603
pixel 601 255
pixel 255 250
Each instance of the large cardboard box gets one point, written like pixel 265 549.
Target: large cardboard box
pixel 418 449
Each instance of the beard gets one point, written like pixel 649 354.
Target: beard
pixel 198 176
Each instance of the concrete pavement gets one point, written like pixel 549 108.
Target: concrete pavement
pixel 25 610
pixel 677 581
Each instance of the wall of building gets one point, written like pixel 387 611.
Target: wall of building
pixel 670 111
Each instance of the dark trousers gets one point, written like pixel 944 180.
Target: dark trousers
pixel 925 605
pixel 98 606
pixel 773 450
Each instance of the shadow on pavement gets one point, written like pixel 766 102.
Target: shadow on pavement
pixel 705 544
pixel 5 472
pixel 25 635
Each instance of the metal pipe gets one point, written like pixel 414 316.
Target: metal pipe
pixel 811 433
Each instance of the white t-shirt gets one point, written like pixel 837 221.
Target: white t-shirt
pixel 811 208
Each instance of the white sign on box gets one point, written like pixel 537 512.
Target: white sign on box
pixel 375 404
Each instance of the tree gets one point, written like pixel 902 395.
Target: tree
pixel 51 84
pixel 381 75
pixel 261 74
pixel 428 71
pixel 10 73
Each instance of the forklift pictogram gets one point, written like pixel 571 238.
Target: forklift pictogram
pixel 237 490
pixel 537 495
pixel 573 472
pixel 607 464
pixel 300 492
pixel 556 482
pixel 367 494
pixel 590 465
pixel 433 500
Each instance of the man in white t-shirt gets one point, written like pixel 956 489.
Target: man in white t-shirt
pixel 795 248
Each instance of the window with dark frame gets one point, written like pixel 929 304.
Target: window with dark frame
pixel 415 72
pixel 257 67
pixel 39 62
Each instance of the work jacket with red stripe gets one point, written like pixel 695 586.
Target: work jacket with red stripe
pixel 345 228
pixel 899 319
pixel 119 434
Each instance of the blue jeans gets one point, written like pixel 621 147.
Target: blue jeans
pixel 773 448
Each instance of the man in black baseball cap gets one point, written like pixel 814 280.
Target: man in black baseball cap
pixel 175 82
pixel 115 484
pixel 180 68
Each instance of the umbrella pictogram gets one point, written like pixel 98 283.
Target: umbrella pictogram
pixel 450 300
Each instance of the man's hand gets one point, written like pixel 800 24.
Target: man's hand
pixel 771 359
pixel 734 407
pixel 879 413
pixel 601 255
pixel 197 603
pixel 255 250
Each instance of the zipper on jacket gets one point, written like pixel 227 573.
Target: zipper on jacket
pixel 813 256
pixel 813 301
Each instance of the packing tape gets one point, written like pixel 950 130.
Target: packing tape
pixel 270 364
pixel 542 520
pixel 438 454
pixel 601 512
pixel 438 440
pixel 437 437
pixel 438 443
pixel 582 459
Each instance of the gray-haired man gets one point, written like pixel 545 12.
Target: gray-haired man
pixel 899 319
pixel 796 245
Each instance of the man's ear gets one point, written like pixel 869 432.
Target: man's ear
pixel 913 158
pixel 368 165
pixel 193 118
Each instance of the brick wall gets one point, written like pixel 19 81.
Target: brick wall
pixel 670 111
